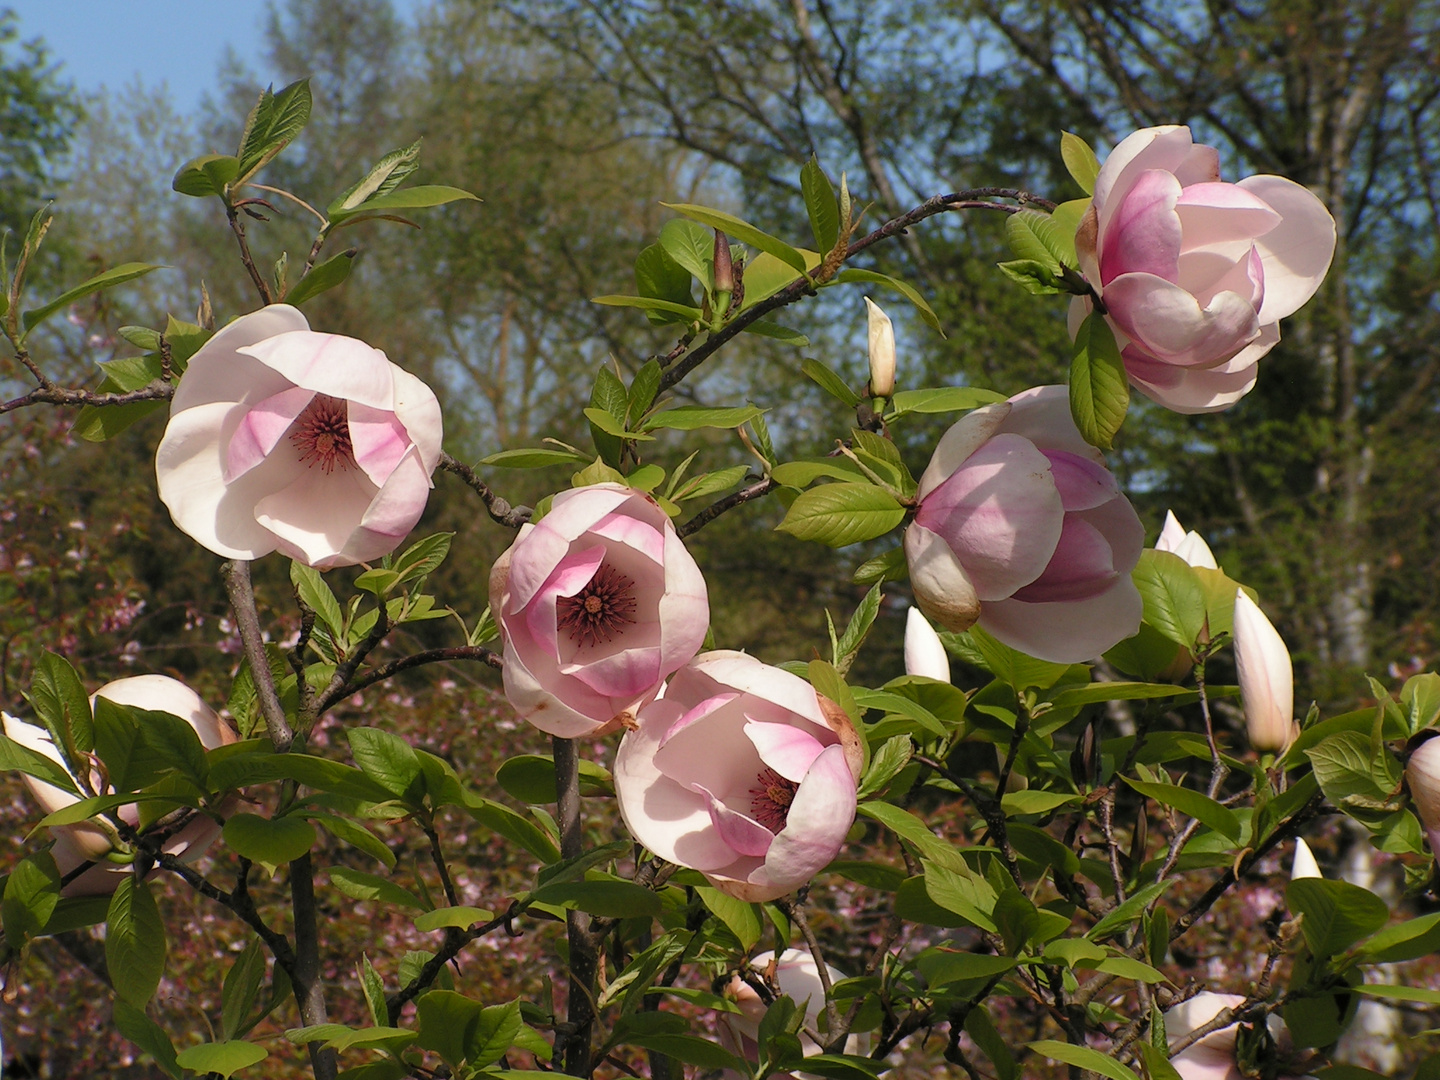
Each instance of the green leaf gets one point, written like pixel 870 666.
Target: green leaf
pixel 900 705
pixel 942 965
pixel 273 841
pixel 1408 940
pixel 1080 161
pixel 1083 1057
pixel 531 778
pixel 225 1058
pixel 610 898
pixel 317 596
pixel 765 328
pixel 841 514
pixel 890 566
pixel 691 1049
pixel 384 176
pixel 1017 919
pixel 643 388
pixel 494 1033
pixel 135 944
pixel 692 246
pixel 420 197
pixel 1124 914
pixel 981 1029
pixel 423 557
pixel 803 473
pixel 738 230
pixel 64 709
pixel 1022 672
pixel 97 423
pixel 461 917
pixel 742 919
pixel 659 277
pixel 274 121
pixel 1194 803
pixel 1337 913
pixel 694 417
pixel 830 382
pixel 893 755
pixel 1157 1062
pixel 908 291
pixel 120 743
pixel 1036 236
pixel 648 305
pixel 319 773
pixel 962 891
pixel 115 276
pixel 17 758
pixel 322 277
pixel 1114 691
pixel 373 987
pixel 1031 801
pixel 362 886
pixel 942 399
pixel 241 988
pixel 1036 278
pixel 1099 387
pixel 912 830
pixel 32 892
pixel 519 830
pixel 387 759
pixel 707 484
pixel 537 458
pixel 820 204
pixel 206 175
pixel 1173 596
pixel 1357 775
pixel 147 1035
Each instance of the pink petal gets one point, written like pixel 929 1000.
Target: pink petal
pixel 261 429
pixel 1082 566
pixel 1168 323
pixel 684 610
pixel 1042 415
pixel 1189 389
pixel 1143 235
pixel 218 373
pixel 190 474
pixel 1000 513
pixel 343 367
pixel 786 695
pixel 378 439
pixel 1298 251
pixel 942 589
pixel 1082 483
pixel 626 673
pixel 632 532
pixel 580 711
pixel 1069 632
pixel 399 503
pixel 539 549
pixel 960 440
pixel 1169 148
pixel 820 816
pixel 418 410
pixel 699 712
pixel 313 516
pixel 36 738
pixel 1218 213
pixel 786 749
pixel 746 836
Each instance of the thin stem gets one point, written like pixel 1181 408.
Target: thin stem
pixel 50 394
pixel 455 940
pixel 437 856
pixel 499 509
pixel 405 663
pixel 584 960
pixel 292 197
pixel 796 912
pixel 261 285
pixel 308 981
pixel 242 601
pixel 715 509
pixel 336 689
pixel 1218 772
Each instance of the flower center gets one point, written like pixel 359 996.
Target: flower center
pixel 322 434
pixel 770 799
pixel 600 610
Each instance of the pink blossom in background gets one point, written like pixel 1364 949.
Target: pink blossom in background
pixel 1195 273
pixel 597 603
pixel 741 771
pixel 284 439
pixel 1022 529
pixel 92 841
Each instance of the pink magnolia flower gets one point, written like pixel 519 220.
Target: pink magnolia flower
pixel 1262 667
pixel 741 771
pixel 314 445
pixel 597 603
pixel 1422 777
pixel 1196 274
pixel 797 976
pixel 92 841
pixel 1022 528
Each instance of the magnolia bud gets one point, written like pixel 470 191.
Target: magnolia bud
pixel 924 653
pixel 724 266
pixel 1262 664
pixel 1305 864
pixel 882 351
pixel 1190 546
pixel 1422 775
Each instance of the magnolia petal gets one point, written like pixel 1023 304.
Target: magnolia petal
pixel 1082 484
pixel 741 671
pixel 744 834
pixel 1169 323
pixel 684 609
pixel 1297 252
pixel 1068 632
pixel 343 367
pixel 391 515
pixel 788 750
pixel 219 373
pixel 567 579
pixel 628 673
pixel 924 652
pixel 714 755
pixel 1422 777
pixel 1219 213
pixel 633 533
pixel 418 410
pixel 1144 232
pixel 820 816
pixel 1083 566
pixel 1000 513
pixel 1172 533
pixel 1191 390
pixel 960 440
pixel 379 441
pixel 160 693
pixel 1168 147
pixel 536 705
pixel 1304 865
pixel 1042 415
pixel 36 738
pixel 942 589
pixel 1262 667
pixel 314 515
pixel 1195 551
pixel 261 429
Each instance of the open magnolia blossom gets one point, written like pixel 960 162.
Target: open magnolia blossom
pixel 1188 545
pixel 924 651
pixel 1022 528
pixel 1262 666
pixel 284 439
pixel 1196 274
pixel 797 976
pixel 93 841
pixel 741 771
pixel 596 603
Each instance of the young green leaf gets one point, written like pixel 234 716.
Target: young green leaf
pixel 384 176
pixel 905 289
pixel 135 944
pixel 223 1058
pixel 830 382
pixel 322 277
pixel 841 514
pixel 1099 387
pixel 820 204
pixel 740 230
pixel 1080 161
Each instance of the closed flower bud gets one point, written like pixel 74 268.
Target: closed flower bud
pixel 924 652
pixel 1190 545
pixel 1422 775
pixel 724 267
pixel 882 351
pixel 1262 664
pixel 1305 864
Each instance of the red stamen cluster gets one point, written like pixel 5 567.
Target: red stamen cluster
pixel 600 610
pixel 770 800
pixel 322 434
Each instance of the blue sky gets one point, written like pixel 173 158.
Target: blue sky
pixel 104 44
